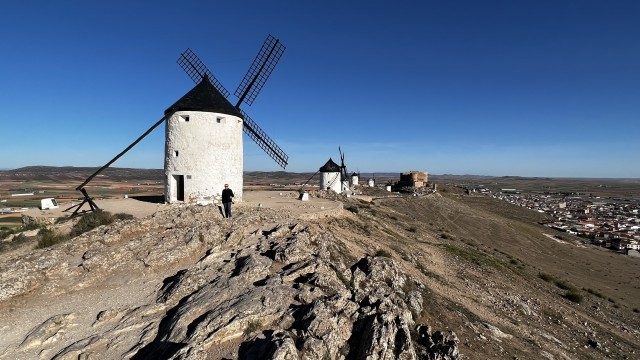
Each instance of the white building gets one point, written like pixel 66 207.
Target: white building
pixel 330 177
pixel 355 177
pixel 203 147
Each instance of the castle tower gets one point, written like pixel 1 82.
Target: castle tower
pixel 203 146
pixel 330 177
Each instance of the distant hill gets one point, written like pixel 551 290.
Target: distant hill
pixel 115 173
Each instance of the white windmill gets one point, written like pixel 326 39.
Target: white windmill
pixel 333 176
pixel 330 176
pixel 207 128
pixel 203 148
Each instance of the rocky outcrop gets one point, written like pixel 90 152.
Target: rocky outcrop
pixel 265 286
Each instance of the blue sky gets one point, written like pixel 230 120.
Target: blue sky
pixel 530 88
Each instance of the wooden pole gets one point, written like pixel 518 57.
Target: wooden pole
pixel 122 153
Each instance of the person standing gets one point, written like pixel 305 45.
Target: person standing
pixel 227 195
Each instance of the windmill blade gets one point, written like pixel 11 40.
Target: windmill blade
pixel 343 167
pixel 260 70
pixel 260 137
pixel 196 69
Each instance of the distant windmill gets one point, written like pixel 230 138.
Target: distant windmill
pixel 203 148
pixel 343 172
pixel 333 176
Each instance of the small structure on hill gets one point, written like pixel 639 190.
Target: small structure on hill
pixel 330 176
pixel 415 179
pixel 371 182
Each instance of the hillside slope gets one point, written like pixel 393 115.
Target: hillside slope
pixel 186 284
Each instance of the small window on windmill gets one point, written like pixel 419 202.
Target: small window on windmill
pixel 175 153
pixel 188 177
pixel 184 118
pixel 220 120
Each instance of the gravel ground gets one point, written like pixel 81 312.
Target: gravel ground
pixel 138 208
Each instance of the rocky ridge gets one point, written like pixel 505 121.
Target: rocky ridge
pixel 186 284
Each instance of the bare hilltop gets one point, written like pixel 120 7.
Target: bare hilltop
pixel 440 276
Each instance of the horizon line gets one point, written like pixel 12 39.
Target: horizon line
pixel 361 172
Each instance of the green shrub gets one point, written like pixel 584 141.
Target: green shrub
pixel 5 232
pixel 382 252
pixel 31 226
pixel 252 327
pixel 15 242
pixel 94 219
pixel 90 221
pixel 353 209
pixel 475 256
pixel 48 237
pixel 20 238
pixel 429 273
pixel 347 283
pixel 545 277
pixel 62 219
pixel 122 216
pixel 573 295
pixel 562 284
pixel 596 293
pixel 554 315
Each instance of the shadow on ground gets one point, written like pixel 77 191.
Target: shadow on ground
pixel 155 199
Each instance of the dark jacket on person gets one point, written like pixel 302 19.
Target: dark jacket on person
pixel 227 194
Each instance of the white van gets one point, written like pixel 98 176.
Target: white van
pixel 48 203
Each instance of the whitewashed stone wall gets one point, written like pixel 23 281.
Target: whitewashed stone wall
pixel 330 180
pixel 354 180
pixel 206 149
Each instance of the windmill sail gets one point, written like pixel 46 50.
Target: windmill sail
pixel 196 69
pixel 260 70
pixel 249 88
pixel 261 139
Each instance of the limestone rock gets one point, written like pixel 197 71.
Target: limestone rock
pixel 47 332
pixel 264 286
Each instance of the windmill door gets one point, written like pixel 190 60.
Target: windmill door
pixel 178 180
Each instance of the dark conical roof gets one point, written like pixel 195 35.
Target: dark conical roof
pixel 204 97
pixel 330 166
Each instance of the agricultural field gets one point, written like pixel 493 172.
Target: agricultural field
pixel 61 183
